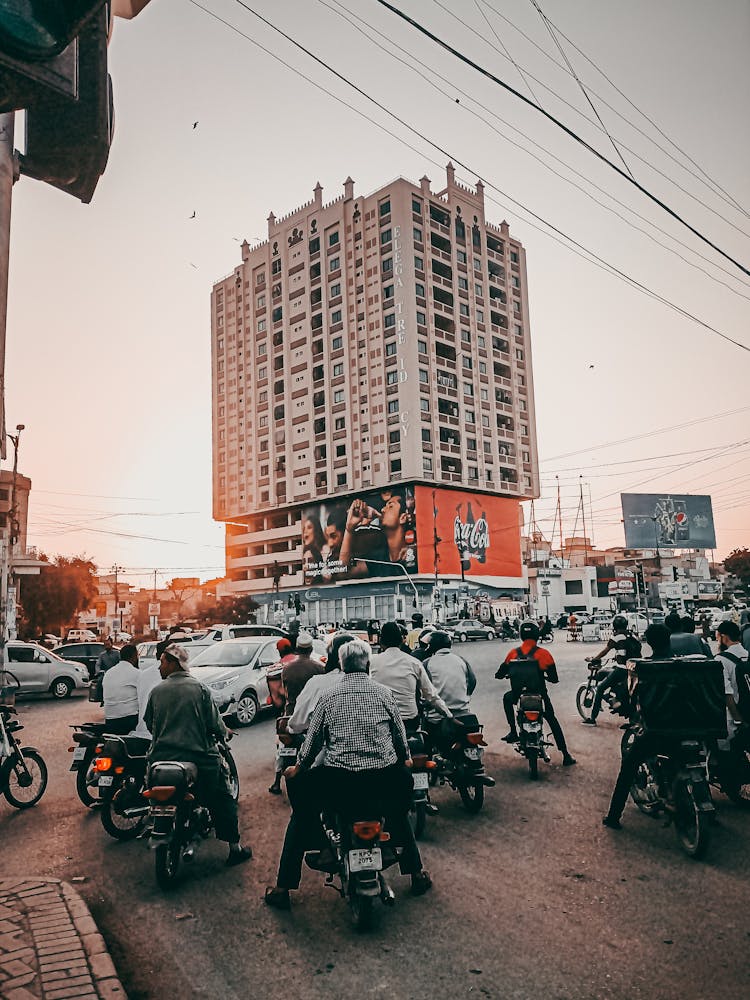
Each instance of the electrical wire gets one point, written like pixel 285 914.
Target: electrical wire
pixel 591 257
pixel 506 50
pixel 342 11
pixel 555 121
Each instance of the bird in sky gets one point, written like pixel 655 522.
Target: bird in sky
pixel 591 366
pixel 195 124
pixel 193 215
pixel 193 265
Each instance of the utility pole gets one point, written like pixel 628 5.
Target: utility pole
pixel 116 569
pixel 8 174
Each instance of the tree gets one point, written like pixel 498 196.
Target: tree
pixel 183 591
pixel 51 601
pixel 738 564
pixel 236 610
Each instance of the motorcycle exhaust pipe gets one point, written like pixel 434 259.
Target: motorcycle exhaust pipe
pixel 132 811
pixel 387 895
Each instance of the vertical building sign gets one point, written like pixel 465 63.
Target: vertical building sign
pixel 398 291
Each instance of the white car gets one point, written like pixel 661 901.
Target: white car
pixel 234 671
pixel 40 671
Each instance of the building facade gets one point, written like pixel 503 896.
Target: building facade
pixel 374 347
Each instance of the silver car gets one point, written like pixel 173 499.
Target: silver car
pixel 40 671
pixel 234 671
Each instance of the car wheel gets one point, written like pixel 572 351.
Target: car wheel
pixel 61 687
pixel 490 635
pixel 463 637
pixel 246 708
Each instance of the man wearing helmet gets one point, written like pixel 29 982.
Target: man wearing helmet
pixel 451 676
pixel 625 647
pixel 529 650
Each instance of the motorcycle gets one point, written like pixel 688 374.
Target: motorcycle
pixel 615 697
pixel 359 863
pixel 532 742
pixel 422 765
pixel 120 766
pixel 289 743
pixel 86 738
pixel 23 773
pixel 459 760
pixel 675 784
pixel 178 822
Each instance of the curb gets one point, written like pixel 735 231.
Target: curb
pixel 50 947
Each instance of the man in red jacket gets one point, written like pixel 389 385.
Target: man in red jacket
pixel 529 650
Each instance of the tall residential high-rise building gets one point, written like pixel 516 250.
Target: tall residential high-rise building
pixel 373 405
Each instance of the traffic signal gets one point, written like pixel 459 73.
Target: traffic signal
pixel 640 579
pixel 674 573
pixel 67 142
pixel 290 602
pixel 40 31
pixel 297 604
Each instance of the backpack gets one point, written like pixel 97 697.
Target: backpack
pixel 742 672
pixel 525 674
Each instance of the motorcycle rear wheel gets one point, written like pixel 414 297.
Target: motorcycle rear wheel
pixel 82 779
pixel 24 782
pixel 692 826
pixel 362 911
pixel 167 862
pixel 472 796
pixel 585 700
pixel 648 807
pixel 533 765
pixel 118 826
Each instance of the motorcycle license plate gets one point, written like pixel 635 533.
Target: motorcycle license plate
pixel 532 727
pixel 79 753
pixel 105 780
pixel 473 753
pixel 288 752
pixel 163 810
pixel 421 780
pixel 362 860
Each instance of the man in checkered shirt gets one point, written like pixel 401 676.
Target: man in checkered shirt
pixel 358 726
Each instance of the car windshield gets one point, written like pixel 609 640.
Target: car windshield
pixel 226 654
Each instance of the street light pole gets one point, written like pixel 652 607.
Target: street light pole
pixel 10 537
pixel 382 562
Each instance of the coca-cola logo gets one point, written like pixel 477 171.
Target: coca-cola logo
pixel 472 537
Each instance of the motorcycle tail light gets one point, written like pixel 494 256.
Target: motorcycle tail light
pixel 98 750
pixel 419 760
pixel 476 739
pixel 71 749
pixel 367 830
pixel 119 770
pixel 102 763
pixel 285 739
pixel 384 837
pixel 160 793
pixel 532 716
pixel 269 700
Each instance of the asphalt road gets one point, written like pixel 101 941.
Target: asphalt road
pixel 532 897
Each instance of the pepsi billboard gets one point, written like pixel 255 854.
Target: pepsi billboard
pixel 668 521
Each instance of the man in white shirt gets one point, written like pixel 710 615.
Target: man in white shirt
pixel 406 678
pixel 120 692
pixel 733 657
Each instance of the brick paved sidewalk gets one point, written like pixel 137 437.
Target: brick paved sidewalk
pixel 50 948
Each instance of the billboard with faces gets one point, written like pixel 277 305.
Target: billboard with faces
pixel 370 534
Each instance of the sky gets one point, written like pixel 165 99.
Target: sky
pixel 108 362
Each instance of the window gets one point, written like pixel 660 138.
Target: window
pixel 418 264
pixel 424 376
pixel 463 283
pixel 263 396
pixel 339 423
pixel 427 464
pixel 419 289
pixel 386 236
pixel 421 319
pixel 390 321
pixel 478 291
pixel 390 349
pixel 261 325
pixel 424 405
pixel 387 291
pixel 519 354
pixel 482 343
pixel 334 264
pixel 416 206
pixel 477 264
pixel 468 389
pixel 482 366
pixel 260 278
pixel 387 266
pixel 466 362
pixel 262 348
pixel 340 450
pixel 393 406
pixel 385 207
pixel 515 282
pixel 333 239
pixel 341 479
pixel 417 234
pixel 315 245
pixel 514 256
pixel 394 437
pixel 315 271
pixel 396 465
pixel 338 396
pixel 463 309
pixel 276 315
pixel 422 346
pixel 335 291
pixel 262 373
pixel 461 256
pixel 484 396
pixel 260 301
pixel 517 329
pixel 338 369
pixel 471 444
pixel 426 435
pixel 336 316
pixel 470 418
pixel 480 315
pixel 263 446
pixel 276 266
pixel 473 472
pixel 574 586
pixel 391 378
pixel 485 420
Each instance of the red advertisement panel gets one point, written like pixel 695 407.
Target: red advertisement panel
pixel 479 530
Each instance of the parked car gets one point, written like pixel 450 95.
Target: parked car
pixel 50 641
pixel 147 655
pixel 219 632
pixel 86 653
pixel 471 628
pixel 41 671
pixel 80 635
pixel 234 671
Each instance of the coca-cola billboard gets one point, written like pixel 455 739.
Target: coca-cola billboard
pixel 478 533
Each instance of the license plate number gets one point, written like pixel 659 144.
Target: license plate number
pixel 361 860
pixel 473 753
pixel 420 780
pixel 79 753
pixel 163 810
pixel 288 752
pixel 532 727
pixel 105 780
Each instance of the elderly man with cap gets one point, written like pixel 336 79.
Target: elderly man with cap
pixel 184 724
pixel 298 670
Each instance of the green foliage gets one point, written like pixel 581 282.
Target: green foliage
pixel 738 564
pixel 51 601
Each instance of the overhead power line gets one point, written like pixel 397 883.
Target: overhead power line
pixel 556 121
pixel 590 256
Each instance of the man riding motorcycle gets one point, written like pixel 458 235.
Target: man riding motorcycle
pixel 357 725
pixel 529 650
pixel 625 647
pixel 184 724
pixel 406 677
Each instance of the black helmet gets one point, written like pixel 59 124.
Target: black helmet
pixel 439 640
pixel 424 635
pixel 619 623
pixel 529 630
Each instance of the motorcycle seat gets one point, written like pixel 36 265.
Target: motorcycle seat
pixel 171 772
pixel 127 746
